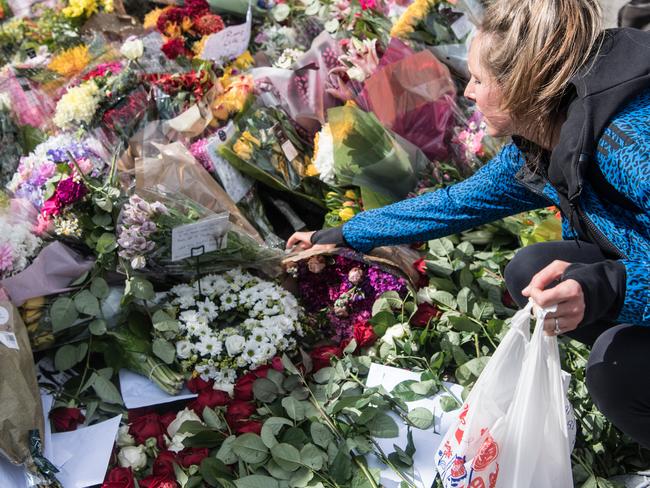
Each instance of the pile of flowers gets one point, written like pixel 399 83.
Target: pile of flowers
pixel 341 290
pixel 230 323
pixel 18 245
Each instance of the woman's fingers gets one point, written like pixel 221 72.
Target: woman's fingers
pixel 302 239
pixel 545 277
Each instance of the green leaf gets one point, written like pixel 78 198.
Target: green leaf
pixel 287 456
pixel 471 370
pixel 382 321
pixel 464 298
pixel 321 434
pixel 271 428
pixel 163 349
pixel 288 365
pixel 383 426
pixel 162 322
pixel 465 277
pixel 106 243
pixel 294 408
pixel 67 356
pixel 211 419
pixel 421 418
pixel 63 314
pixel 97 327
pixel 225 453
pixel 102 219
pixel 483 311
pixel 465 249
pixel 99 288
pixel 301 478
pixel 265 390
pixel 250 448
pixel 441 247
pixel 403 391
pixel 106 390
pixel 87 303
pixel 256 481
pixel 312 457
pixel 444 298
pixel 341 466
pixel 139 288
pixel 212 470
pixel 448 403
pixel 323 375
pixel 463 324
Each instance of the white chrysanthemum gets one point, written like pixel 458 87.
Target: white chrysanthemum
pixel 184 349
pixel 324 155
pixel 208 309
pixel 228 301
pixel 78 105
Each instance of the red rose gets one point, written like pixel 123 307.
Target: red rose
pixel 198 384
pixel 364 334
pixel 66 419
pixel 238 412
pixel 166 419
pixel 163 465
pixel 508 301
pixel 153 481
pixel 420 266
pixel 244 387
pixel 321 356
pixel 119 478
pixel 192 455
pixel 210 398
pixel 276 364
pixel 424 314
pixel 146 426
pixel 174 48
pixel 252 426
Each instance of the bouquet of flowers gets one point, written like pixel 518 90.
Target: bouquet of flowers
pixel 186 28
pixel 225 324
pixel 18 243
pixel 340 291
pixel 342 205
pixel 144 237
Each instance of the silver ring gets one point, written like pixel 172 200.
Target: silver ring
pixel 557 326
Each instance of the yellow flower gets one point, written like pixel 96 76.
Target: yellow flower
pixel 247 136
pixel 151 19
pixel 243 149
pixel 351 103
pixel 346 214
pixel 71 62
pixel 311 170
pixel 351 194
pixel 342 128
pixel 411 17
pixel 108 6
pixel 186 24
pixel 78 8
pixel 198 46
pixel 244 61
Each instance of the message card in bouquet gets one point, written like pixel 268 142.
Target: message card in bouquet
pixel 230 42
pixel 204 236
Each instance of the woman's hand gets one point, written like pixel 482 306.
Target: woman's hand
pixel 300 241
pixel 567 295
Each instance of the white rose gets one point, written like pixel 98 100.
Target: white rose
pixel 138 262
pixel 397 331
pixel 182 417
pixel 132 457
pixel 124 438
pixel 132 49
pixel 235 344
pixel 176 444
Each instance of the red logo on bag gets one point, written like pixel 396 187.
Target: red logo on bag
pixel 461 420
pixel 493 477
pixel 458 471
pixel 477 483
pixel 447 452
pixel 488 452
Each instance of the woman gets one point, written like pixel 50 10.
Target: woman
pixel 576 101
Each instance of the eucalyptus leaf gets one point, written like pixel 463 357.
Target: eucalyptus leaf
pixel 256 481
pixel 63 314
pixel 97 327
pixel 287 456
pixel 271 428
pixel 250 448
pixel 321 434
pixel 225 453
pixel 99 288
pixel 312 457
pixel 294 408
pixel 265 390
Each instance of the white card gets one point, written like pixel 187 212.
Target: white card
pixel 230 42
pixel 235 183
pixel 423 472
pixel 200 237
pixel 462 27
pixel 7 336
pixel 138 391
pixel 91 449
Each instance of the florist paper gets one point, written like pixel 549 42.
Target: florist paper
pixel 138 391
pixel 426 441
pixel 91 449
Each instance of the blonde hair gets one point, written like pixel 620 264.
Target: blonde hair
pixel 533 49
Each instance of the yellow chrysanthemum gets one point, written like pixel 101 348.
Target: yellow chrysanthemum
pixel 411 17
pixel 243 149
pixel 151 19
pixel 71 62
pixel 79 8
pixel 342 128
pixel 198 46
pixel 244 61
pixel 108 6
pixel 346 214
pixel 247 136
pixel 186 24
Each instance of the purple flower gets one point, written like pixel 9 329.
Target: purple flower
pixel 69 191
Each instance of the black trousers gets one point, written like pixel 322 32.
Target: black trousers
pixel 617 371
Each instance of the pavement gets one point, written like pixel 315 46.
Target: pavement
pixel 610 11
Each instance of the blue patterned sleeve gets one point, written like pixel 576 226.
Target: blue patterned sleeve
pixel 636 305
pixel 490 194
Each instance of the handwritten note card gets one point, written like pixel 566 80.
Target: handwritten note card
pixel 230 42
pixel 201 237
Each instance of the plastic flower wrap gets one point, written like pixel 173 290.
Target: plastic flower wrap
pixel 18 243
pixel 369 156
pixel 30 104
pixel 414 96
pixel 9 141
pixel 227 324
pixel 342 205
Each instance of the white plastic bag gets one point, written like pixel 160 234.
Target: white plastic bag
pixel 512 430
